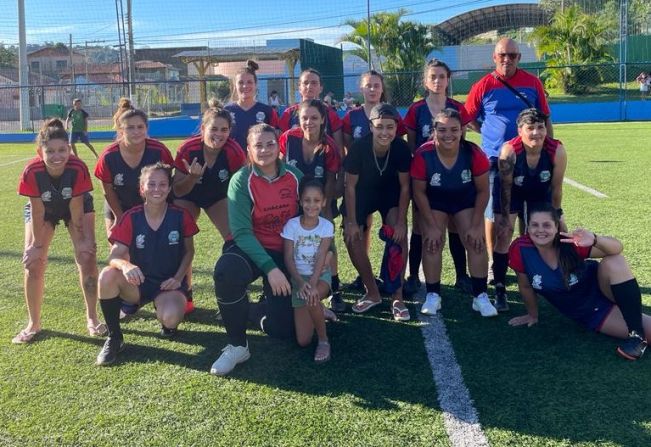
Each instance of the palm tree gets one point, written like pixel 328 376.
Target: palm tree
pixel 400 48
pixel 571 41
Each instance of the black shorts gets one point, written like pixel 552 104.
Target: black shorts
pixel 149 290
pixel 55 218
pixel 204 201
pixel 367 204
pixel 452 205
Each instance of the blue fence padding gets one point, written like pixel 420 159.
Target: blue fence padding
pixel 590 112
pixel 190 109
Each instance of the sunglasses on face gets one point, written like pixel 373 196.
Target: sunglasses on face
pixel 510 55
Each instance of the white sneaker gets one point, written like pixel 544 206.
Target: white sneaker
pixel 432 304
pixel 230 358
pixel 483 305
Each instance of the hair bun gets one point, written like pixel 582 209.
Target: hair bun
pixel 214 103
pixel 53 122
pixel 252 65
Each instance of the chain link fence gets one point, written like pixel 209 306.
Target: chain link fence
pixel 566 84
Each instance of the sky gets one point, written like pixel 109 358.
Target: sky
pixel 161 23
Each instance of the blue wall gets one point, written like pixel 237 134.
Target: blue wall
pixel 184 126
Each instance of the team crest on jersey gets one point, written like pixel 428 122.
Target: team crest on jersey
pixel 572 280
pixel 318 172
pixel 545 176
pixel 173 237
pixel 435 180
pixel 118 180
pixel 140 241
pixel 466 176
pixel 46 196
pixel 223 175
pixel 519 180
pixel 260 116
pixel 536 283
pixel 357 133
pixel 66 193
pixel 426 131
pixel 291 162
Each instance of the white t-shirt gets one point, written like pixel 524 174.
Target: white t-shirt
pixel 306 242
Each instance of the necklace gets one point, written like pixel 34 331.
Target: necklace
pixel 386 162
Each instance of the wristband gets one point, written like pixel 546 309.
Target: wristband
pixel 594 243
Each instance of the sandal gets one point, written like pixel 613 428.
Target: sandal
pixel 400 311
pixel 364 305
pixel 24 336
pixel 322 352
pixel 98 330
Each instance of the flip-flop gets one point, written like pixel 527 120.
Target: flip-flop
pixel 364 305
pixel 322 352
pixel 400 311
pixel 97 331
pixel 24 336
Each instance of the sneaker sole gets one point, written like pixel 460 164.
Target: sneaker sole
pixel 429 312
pixel 625 355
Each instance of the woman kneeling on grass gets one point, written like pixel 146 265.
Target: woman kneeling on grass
pixel 262 197
pixel 307 242
pixel 152 249
pixel 601 296
pixel 58 186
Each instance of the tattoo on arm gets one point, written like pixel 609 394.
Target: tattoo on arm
pixel 506 167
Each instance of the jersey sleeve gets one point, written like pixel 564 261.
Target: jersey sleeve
pixel 70 113
pixel 480 164
pixel 190 227
pixel 473 101
pixel 235 156
pixel 282 142
pixel 182 154
pixel 352 162
pixel 283 122
pixel 345 124
pixel 410 118
pixel 102 170
pixel 515 256
pixel 166 156
pixel 274 121
pixel 332 160
pixel 418 170
pixel 27 185
pixel 334 120
pixel 85 114
pixel 402 129
pixel 122 231
pixel 82 183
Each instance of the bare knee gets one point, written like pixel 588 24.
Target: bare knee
pixel 108 276
pixel 86 260
pixel 614 264
pixel 36 269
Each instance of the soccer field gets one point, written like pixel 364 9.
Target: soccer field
pixel 550 385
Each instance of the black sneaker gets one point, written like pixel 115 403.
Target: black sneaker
pixel 167 332
pixel 464 284
pixel 109 353
pixel 356 285
pixel 337 303
pixel 633 347
pixel 411 286
pixel 500 302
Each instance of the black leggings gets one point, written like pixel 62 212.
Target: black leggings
pixel 234 271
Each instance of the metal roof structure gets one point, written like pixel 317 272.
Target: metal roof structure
pixel 235 54
pixel 501 17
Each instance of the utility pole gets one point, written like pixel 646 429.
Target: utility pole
pixel 23 71
pixel 623 55
pixel 368 34
pixel 130 54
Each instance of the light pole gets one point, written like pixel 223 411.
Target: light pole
pixel 368 33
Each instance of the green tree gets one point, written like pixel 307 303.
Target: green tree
pixel 7 57
pixel 573 38
pixel 400 48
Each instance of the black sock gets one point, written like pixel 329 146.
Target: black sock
pixel 111 310
pixel 500 265
pixel 415 254
pixel 234 317
pixel 458 252
pixel 433 287
pixel 628 298
pixel 335 283
pixel 479 285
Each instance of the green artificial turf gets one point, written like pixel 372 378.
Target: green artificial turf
pixel 549 385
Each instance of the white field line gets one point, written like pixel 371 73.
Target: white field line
pixel 15 161
pixel 584 188
pixel 459 414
